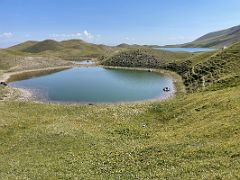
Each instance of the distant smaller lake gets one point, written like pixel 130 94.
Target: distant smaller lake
pixel 192 50
pixel 85 62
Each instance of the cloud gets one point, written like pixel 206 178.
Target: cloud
pixel 6 35
pixel 88 35
pixel 55 35
pixel 84 35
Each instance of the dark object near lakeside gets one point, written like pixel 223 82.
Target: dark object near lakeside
pixel 166 89
pixel 3 83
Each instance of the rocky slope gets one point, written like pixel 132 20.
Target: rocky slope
pixel 216 69
pixel 216 39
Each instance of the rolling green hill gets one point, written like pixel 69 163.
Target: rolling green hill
pixel 217 39
pixel 144 57
pixel 47 45
pixel 191 136
pixel 68 50
pixel 12 60
pixel 32 54
pixel 23 46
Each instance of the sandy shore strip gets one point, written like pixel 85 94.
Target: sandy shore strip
pixel 6 76
pixel 20 93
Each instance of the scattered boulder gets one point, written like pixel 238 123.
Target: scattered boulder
pixel 166 89
pixel 133 58
pixel 3 83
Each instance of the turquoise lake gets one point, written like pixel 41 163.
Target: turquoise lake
pixel 97 85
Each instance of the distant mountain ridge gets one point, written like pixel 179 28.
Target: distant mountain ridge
pixel 216 39
pixel 68 49
pixel 77 49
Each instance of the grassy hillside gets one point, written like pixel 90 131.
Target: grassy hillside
pixel 193 136
pixel 11 60
pixel 190 137
pixel 23 46
pixel 217 39
pixel 68 50
pixel 215 71
pixel 47 45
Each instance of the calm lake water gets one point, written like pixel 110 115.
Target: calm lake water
pixel 97 85
pixel 192 50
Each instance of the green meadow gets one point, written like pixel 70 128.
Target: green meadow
pixel 195 135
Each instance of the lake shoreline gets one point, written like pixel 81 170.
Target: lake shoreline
pixel 27 95
pixel 24 94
